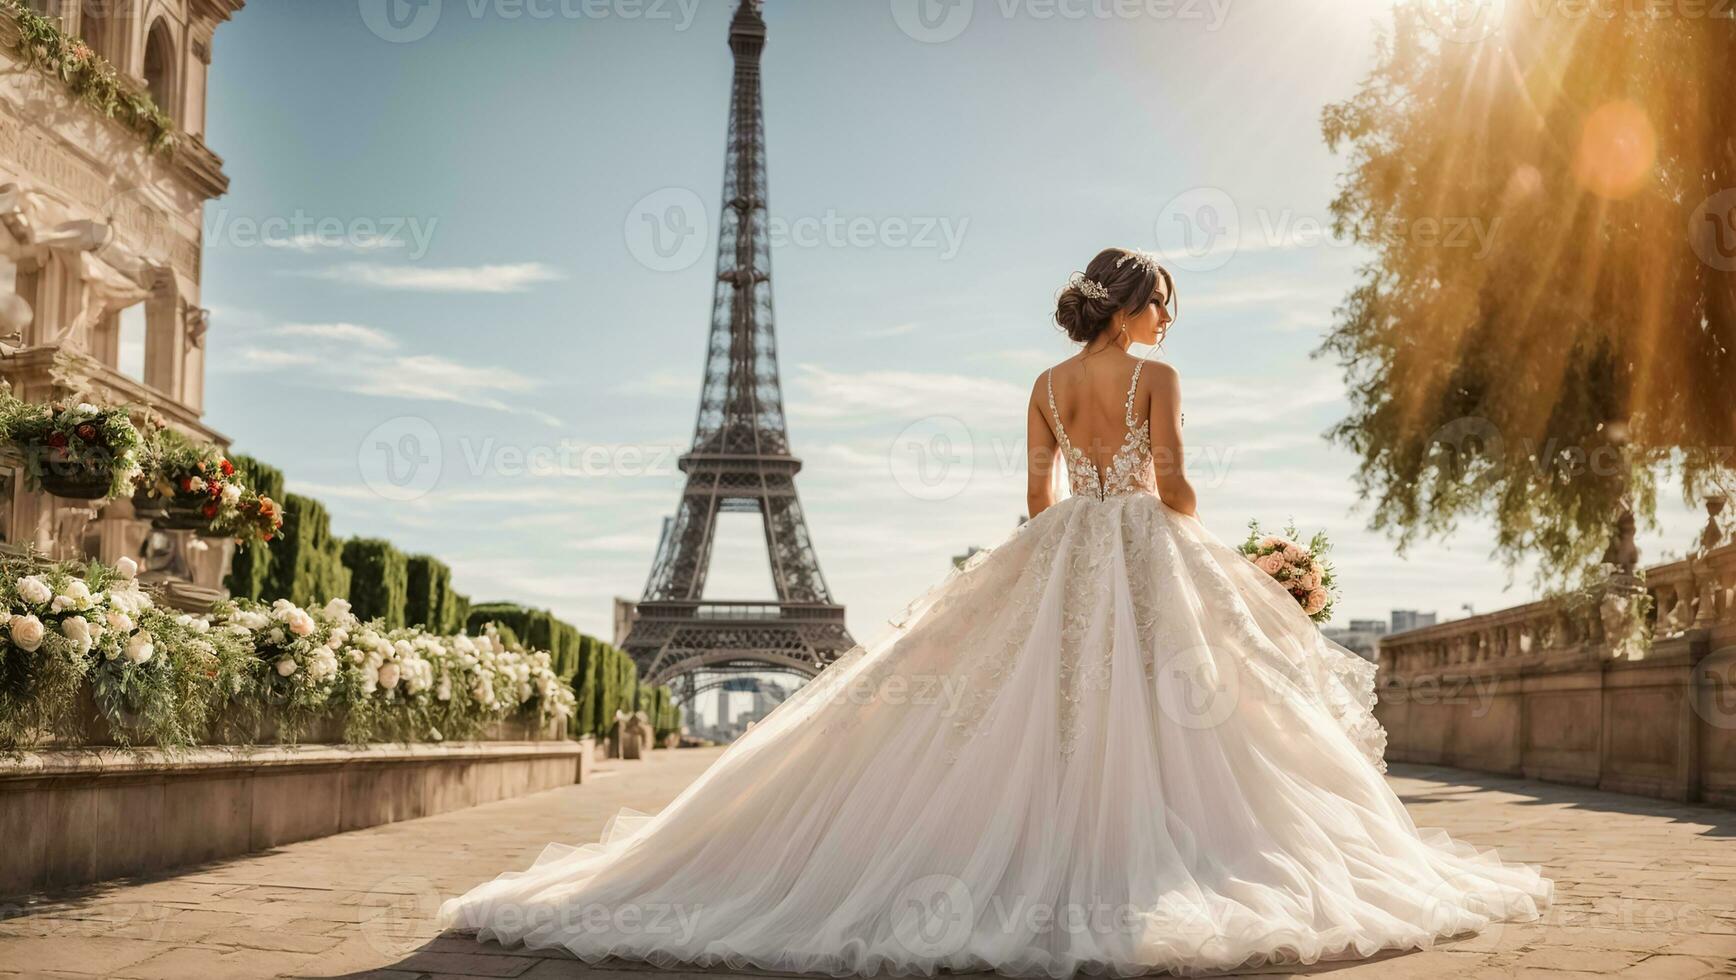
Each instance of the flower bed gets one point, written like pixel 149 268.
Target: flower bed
pixel 78 637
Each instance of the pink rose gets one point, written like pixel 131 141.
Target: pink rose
pixel 1294 553
pixel 1310 579
pixel 1271 564
pixel 1316 602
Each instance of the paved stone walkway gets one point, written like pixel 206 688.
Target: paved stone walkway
pixel 1646 889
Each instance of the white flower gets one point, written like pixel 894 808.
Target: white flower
pixel 286 666
pixel 300 623
pixel 140 648
pixel 118 620
pixel 126 568
pixel 34 590
pixel 337 608
pixel 26 632
pixel 77 591
pixel 196 484
pixel 231 493
pixel 276 637
pixel 444 691
pixel 88 408
pixel 388 675
pixel 77 632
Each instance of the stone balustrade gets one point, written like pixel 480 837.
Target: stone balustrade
pixel 1630 687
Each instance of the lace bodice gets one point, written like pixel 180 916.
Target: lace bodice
pixel 1130 469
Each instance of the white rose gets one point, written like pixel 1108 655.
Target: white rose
pixel 231 493
pixel 126 568
pixel 389 676
pixel 444 691
pixel 300 623
pixel 61 603
pixel 140 648
pixel 118 620
pixel 286 666
pixel 77 591
pixel 337 608
pixel 88 408
pixel 77 631
pixel 26 632
pixel 196 484
pixel 34 590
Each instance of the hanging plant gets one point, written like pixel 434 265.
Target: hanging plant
pixel 191 486
pixel 81 451
pixel 44 44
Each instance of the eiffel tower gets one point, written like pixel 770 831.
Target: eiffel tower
pixel 740 461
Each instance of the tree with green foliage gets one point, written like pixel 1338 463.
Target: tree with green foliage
pixel 379 580
pixel 1547 326
pixel 428 597
pixel 251 569
pixel 307 562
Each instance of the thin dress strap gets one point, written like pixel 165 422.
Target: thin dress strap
pixel 1060 433
pixel 1132 390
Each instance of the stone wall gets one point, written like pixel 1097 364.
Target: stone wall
pixel 71 816
pixel 1564 691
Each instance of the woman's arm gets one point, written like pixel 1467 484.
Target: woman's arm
pixel 1042 449
pixel 1166 449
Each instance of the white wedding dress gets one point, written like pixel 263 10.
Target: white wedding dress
pixel 1109 745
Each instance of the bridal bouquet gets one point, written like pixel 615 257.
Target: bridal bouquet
pixel 1302 571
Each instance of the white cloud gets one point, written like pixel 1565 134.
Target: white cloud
pixel 832 396
pixel 266 359
pixel 513 278
pixel 348 333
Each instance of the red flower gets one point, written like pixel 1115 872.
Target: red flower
pixel 57 439
pixel 227 467
pixel 186 484
pixel 209 510
pixel 214 488
pixel 87 432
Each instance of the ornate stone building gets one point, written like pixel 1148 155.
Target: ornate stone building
pixel 100 245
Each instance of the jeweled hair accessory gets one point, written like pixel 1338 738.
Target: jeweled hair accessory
pixel 1090 287
pixel 1144 258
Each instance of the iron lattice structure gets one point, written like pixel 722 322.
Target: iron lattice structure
pixel 740 460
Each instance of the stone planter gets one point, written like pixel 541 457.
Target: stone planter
pixel 179 516
pixel 149 507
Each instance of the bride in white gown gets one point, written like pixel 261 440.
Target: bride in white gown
pixel 1111 744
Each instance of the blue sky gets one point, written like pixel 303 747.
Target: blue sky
pixel 436 248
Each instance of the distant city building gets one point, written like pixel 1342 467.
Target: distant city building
pixel 1375 626
pixel 1410 619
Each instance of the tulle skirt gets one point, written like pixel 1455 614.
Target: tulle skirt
pixel 1109 745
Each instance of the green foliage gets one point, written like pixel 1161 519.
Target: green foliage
pixel 659 704
pixel 73 441
pixel 429 600
pixel 43 43
pixel 252 566
pixel 379 580
pixel 1543 330
pixel 307 562
pixel 584 684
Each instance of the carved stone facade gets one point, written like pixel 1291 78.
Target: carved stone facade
pixel 100 246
